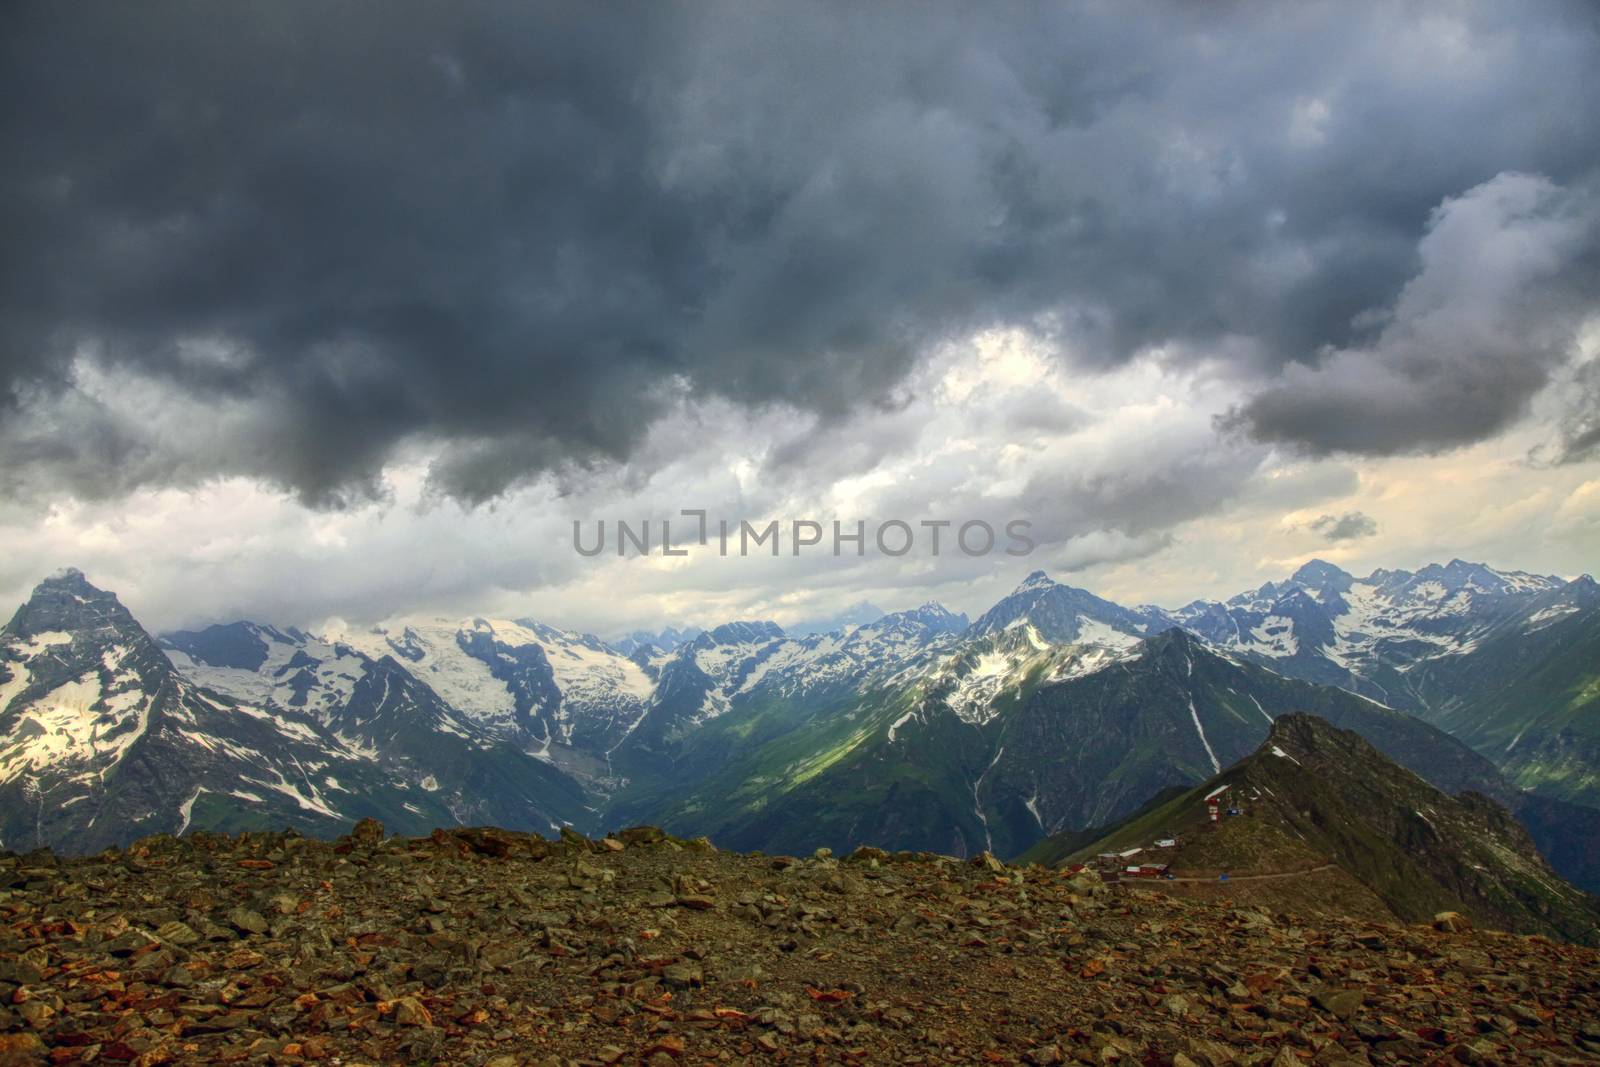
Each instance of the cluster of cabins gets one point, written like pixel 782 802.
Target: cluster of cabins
pixel 1114 865
pixel 1135 863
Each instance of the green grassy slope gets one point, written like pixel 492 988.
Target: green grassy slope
pixel 1331 797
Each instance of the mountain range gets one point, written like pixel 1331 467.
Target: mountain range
pixel 1053 712
pixel 104 739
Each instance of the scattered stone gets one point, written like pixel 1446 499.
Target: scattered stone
pixel 684 975
pixel 247 922
pixel 409 1011
pixel 486 841
pixel 1341 1002
pixel 641 835
pixel 868 854
pixel 670 1045
pixel 989 862
pixel 177 933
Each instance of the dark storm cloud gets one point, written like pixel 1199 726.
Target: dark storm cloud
pixel 1346 527
pixel 286 240
pixel 1509 271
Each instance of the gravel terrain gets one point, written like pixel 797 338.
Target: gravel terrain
pixel 491 949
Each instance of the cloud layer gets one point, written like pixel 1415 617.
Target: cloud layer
pixel 312 309
pixel 298 242
pixel 1509 272
pixel 1134 497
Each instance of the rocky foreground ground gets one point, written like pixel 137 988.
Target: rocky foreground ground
pixel 483 947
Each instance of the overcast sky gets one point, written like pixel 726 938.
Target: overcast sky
pixel 316 312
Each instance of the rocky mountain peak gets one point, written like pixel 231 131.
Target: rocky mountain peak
pixel 1322 576
pixel 664 640
pixel 1461 574
pixel 1176 652
pixel 1315 797
pixel 1313 570
pixel 1036 580
pixel 1307 735
pixel 1060 613
pixel 742 633
pixel 241 645
pixel 932 615
pixel 66 602
pixel 1173 641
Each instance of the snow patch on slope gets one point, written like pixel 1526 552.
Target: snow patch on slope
pixel 66 726
pixel 1216 767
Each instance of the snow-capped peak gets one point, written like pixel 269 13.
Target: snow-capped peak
pixel 932 615
pixel 1036 580
pixel 1344 630
pixel 1062 613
